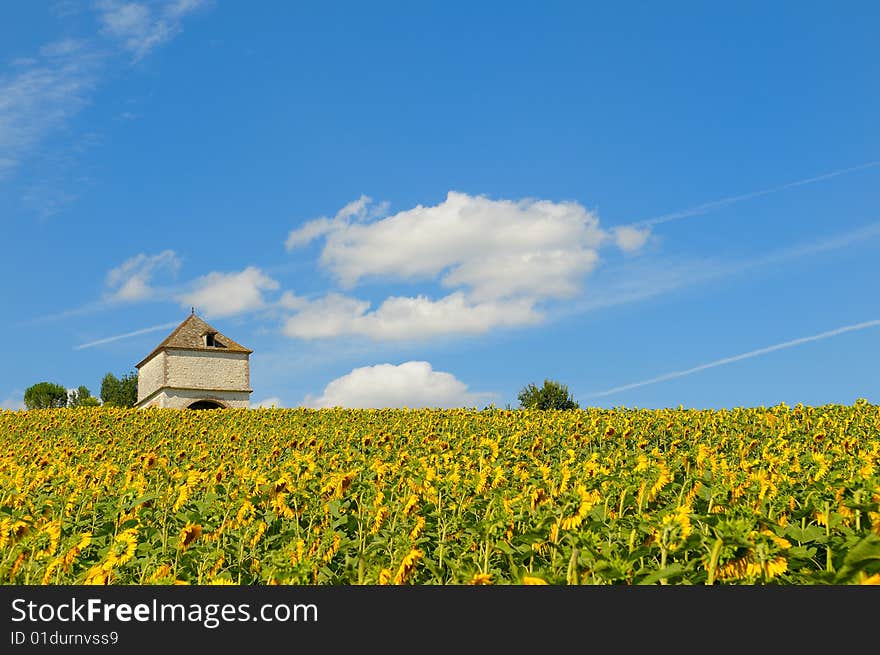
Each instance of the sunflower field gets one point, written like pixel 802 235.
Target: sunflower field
pixel 779 495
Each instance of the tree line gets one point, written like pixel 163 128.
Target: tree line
pixel 115 392
pixel 122 392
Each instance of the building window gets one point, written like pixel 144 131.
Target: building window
pixel 211 340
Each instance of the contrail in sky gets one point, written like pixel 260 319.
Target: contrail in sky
pixel 724 202
pixel 155 328
pixel 736 358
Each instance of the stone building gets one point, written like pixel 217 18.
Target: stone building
pixel 195 367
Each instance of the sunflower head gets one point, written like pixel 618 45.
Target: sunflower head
pixel 532 580
pixel 481 579
pixel 190 532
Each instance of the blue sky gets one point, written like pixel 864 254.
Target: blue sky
pixel 438 203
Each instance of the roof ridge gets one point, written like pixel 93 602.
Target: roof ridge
pixel 188 336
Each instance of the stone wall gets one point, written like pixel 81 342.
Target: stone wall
pixel 183 398
pixel 207 370
pixel 151 375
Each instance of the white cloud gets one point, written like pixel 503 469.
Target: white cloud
pixel 131 281
pixel 272 401
pixel 501 257
pixel 400 318
pixel 225 294
pixel 139 26
pixel 309 232
pixel 487 246
pixel 359 210
pixel 13 402
pixel 411 384
pixel 636 282
pixel 630 239
pixel 42 95
pixel 43 92
pixel 180 8
pixel 63 48
pixel 329 316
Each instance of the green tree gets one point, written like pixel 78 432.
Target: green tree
pixel 43 395
pixel 552 395
pixel 82 397
pixel 119 392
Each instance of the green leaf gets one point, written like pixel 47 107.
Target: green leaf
pixel 810 533
pixel 860 556
pixel 800 552
pixel 670 572
pixel 142 499
pixel 130 523
pixel 504 548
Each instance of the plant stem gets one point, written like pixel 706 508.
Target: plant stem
pixel 829 565
pixel 713 560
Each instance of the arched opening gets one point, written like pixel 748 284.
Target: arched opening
pixel 205 404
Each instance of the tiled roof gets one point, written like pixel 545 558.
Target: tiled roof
pixel 189 335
